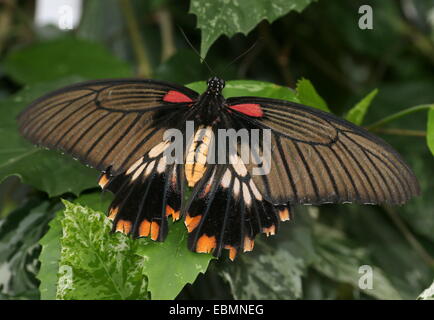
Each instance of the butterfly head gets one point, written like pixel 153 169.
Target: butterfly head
pixel 215 85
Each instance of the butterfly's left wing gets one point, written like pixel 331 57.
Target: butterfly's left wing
pixel 318 158
pixel 315 158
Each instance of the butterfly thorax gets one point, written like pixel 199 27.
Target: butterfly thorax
pixel 215 86
pixel 210 103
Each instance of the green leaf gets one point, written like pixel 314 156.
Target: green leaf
pixel 340 261
pixel 96 264
pixel 430 130
pixel 20 232
pixel 49 258
pixel 50 253
pixel 358 112
pixel 237 88
pixel 170 265
pixel 217 17
pixel 318 287
pixel 45 170
pixel 275 268
pixel 307 95
pixel 272 275
pixel 388 249
pixel 51 60
pixel 427 294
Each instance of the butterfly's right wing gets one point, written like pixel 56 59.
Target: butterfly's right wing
pixel 117 127
pixel 106 123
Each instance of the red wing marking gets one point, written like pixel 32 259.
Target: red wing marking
pixel 250 109
pixel 176 97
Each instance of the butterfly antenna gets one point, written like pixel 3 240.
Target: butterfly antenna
pixel 240 56
pixel 195 51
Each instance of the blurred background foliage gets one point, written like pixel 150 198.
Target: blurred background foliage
pixel 318 256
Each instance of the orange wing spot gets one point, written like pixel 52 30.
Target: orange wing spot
pixel 205 244
pixel 232 252
pixel 145 228
pixel 192 222
pixel 284 214
pixel 123 226
pixel 155 230
pixel 176 215
pixel 248 244
pixel 171 212
pixel 113 212
pixel 103 181
pixel 269 231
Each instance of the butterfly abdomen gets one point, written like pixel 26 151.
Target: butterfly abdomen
pixel 197 154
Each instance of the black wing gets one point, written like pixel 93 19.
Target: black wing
pixel 317 158
pixel 107 123
pixel 117 126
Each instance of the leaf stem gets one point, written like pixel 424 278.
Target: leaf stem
pixel 140 52
pixel 420 41
pixel 167 40
pixel 414 243
pixel 6 18
pixel 398 115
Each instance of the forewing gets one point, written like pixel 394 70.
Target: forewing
pixel 108 123
pixel 318 158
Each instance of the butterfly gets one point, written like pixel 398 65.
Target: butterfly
pixel 118 127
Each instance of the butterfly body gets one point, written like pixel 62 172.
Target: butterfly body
pixel 119 126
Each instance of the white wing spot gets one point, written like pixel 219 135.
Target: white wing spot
pixel 246 195
pixel 135 165
pixel 226 180
pixel 149 168
pixel 138 172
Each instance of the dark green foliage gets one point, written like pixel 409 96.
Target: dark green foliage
pixel 19 249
